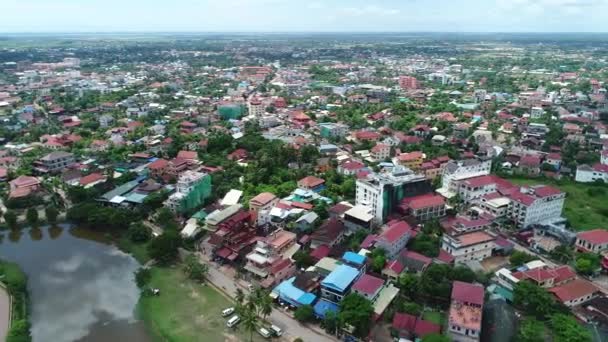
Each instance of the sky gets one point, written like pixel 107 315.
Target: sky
pixel 303 15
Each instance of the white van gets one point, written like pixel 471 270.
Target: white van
pixel 234 320
pixel 264 332
pixel 276 330
pixel 227 312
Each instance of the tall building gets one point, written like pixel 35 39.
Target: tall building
pixel 256 108
pixel 536 204
pixel 191 191
pixel 408 82
pixel 383 192
pixel 458 170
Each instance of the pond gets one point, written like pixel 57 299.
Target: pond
pixel 81 287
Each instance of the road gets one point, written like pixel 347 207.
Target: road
pixel 4 313
pixel 291 326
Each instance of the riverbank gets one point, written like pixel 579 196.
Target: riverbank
pixel 17 320
pixel 186 311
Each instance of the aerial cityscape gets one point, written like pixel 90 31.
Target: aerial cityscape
pixel 225 179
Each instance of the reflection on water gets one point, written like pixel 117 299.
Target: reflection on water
pixel 79 289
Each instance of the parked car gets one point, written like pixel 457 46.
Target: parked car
pixel 276 330
pixel 234 320
pixel 227 312
pixel 264 332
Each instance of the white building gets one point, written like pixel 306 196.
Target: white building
pixel 536 113
pixel 475 246
pixel 256 108
pixel 456 171
pixel 106 120
pixel 590 174
pixel 381 191
pixel 536 204
pixel 185 184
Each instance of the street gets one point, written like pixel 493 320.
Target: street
pixel 291 326
pixel 4 313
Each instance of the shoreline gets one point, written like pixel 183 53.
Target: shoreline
pixel 14 285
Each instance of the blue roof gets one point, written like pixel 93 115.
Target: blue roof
pixel 353 258
pixel 340 278
pixel 293 295
pixel 323 306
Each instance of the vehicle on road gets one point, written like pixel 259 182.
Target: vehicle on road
pixel 276 330
pixel 234 320
pixel 227 312
pixel 264 332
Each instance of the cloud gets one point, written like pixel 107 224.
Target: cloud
pixel 370 10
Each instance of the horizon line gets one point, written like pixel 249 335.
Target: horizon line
pixel 291 32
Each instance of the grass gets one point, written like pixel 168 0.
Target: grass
pixel 586 205
pixel 187 311
pixel 433 316
pixel 137 250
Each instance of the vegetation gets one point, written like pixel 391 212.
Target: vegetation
pixel 304 314
pixel 519 258
pixel 16 284
pixel 164 248
pixel 51 214
pixel 31 215
pixel 194 269
pixel 355 313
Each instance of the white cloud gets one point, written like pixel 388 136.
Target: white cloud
pixel 370 10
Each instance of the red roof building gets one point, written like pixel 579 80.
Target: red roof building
pixel 594 241
pixel 466 308
pixel 424 207
pixel 311 183
pixel 575 292
pixel 412 327
pixel 394 238
pixel 368 286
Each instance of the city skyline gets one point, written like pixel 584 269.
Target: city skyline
pixel 313 16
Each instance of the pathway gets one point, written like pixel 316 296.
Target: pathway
pixel 5 310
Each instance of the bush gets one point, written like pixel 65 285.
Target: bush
pixel 139 233
pixel 304 313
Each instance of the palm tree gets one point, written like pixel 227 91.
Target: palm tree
pixel 264 303
pixel 250 321
pixel 240 296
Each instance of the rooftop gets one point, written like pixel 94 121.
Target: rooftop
pixel 341 278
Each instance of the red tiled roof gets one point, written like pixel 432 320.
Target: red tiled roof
pixel 395 266
pixel 187 155
pixel 444 256
pixel 596 236
pixel 92 178
pixel 310 181
pixel 546 191
pixel 158 164
pixel 410 156
pixel 352 165
pixel 574 289
pixel 467 293
pixel 369 241
pixel 403 321
pixel 424 328
pixel 263 198
pixel 320 252
pixel 423 201
pixel 395 231
pixel 368 284
pixel 367 135
pixel 530 161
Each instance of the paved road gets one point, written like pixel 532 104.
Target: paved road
pixel 291 327
pixel 4 313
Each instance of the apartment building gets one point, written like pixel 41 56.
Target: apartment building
pixel 474 246
pixel 424 207
pixel 394 239
pixel 536 204
pixel 260 206
pixel 456 171
pixel 54 162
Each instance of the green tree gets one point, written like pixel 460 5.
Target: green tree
pixel 531 330
pixel 194 269
pixel 51 214
pixel 19 332
pixel 164 248
pixel 435 338
pixel 587 263
pixel 425 244
pixel 567 329
pixel 250 322
pixel 11 219
pixel 31 215
pixel 304 313
pixel 519 258
pixel 142 277
pixel 355 313
pixel 409 285
pixel 562 253
pixel 331 322
pixel 303 259
pixel 533 299
pixel 139 232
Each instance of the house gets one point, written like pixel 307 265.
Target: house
pixel 350 168
pixel 368 286
pixel 424 207
pixel 393 269
pixel 535 204
pixel 412 160
pixel 469 246
pixel 414 262
pixel 238 155
pixel 54 162
pixel 412 327
pixel 547 277
pixel 291 293
pixel 338 283
pixel 575 292
pixel 466 310
pixel 554 160
pixel 188 155
pixel 158 168
pixel 381 152
pixel 3 174
pixel 307 221
pixel 311 183
pixel 23 186
pixel 593 241
pixel 394 238
pixel 92 180
pixel 260 207
pixel 330 233
pixel 529 165
pixel 358 217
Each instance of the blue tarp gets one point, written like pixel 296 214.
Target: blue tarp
pixel 293 295
pixel 323 306
pixel 340 278
pixel 354 258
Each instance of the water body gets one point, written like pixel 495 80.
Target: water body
pixel 81 288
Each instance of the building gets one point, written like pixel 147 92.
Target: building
pixel 546 277
pixel 338 283
pixel 412 327
pixel 330 233
pixel 311 183
pixel 424 207
pixel 590 174
pixel 394 239
pixel 260 205
pixel 408 82
pixel 411 160
pixel 54 162
pixel 536 204
pixel 474 188
pixel 475 246
pixel 358 217
pixel 381 152
pixel 466 310
pixel 256 108
pixel 106 121
pixel 267 257
pixel 575 292
pixel 594 241
pixel 192 189
pixel 368 286
pixel 383 192
pixel 333 130
pixel 23 186
pixel 456 171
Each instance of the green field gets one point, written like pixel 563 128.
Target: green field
pixel 433 316
pixel 187 311
pixel 586 204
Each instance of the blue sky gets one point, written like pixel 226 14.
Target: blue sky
pixel 304 15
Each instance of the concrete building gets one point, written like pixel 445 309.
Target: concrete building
pixel 338 283
pixel 457 171
pixel 474 246
pixel 54 162
pixel 424 207
pixel 192 189
pixel 590 174
pixel 466 310
pixel 261 204
pixel 594 241
pixel 536 204
pixel 394 239
pixel 256 108
pixel 408 82
pixel 384 191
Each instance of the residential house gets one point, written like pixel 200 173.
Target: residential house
pixel 23 186
pixel 381 152
pixel 368 286
pixel 529 165
pixel 575 292
pixel 311 183
pixel 592 241
pixel 413 328
pixel 466 310
pixel 424 207
pixel 330 233
pixel 260 207
pixel 350 168
pixel 338 283
pixel 394 238
pixel 474 246
pixel 412 160
pixel 414 262
pixel 54 162
pixel 535 204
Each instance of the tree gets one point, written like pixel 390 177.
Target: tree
pixel 164 248
pixel 425 244
pixel 331 323
pixel 166 219
pixel 51 214
pixel 321 209
pixel 562 253
pixel 303 259
pixel 378 263
pixel 263 302
pixel 567 329
pixel 142 277
pixel 304 313
pixel 409 285
pixel 587 263
pixel 411 308
pixel 19 332
pixel 519 258
pixel 31 215
pixel 531 330
pixel 139 232
pixel 435 338
pixel 194 269
pixel 11 219
pixel 533 299
pixel 355 312
pixel 250 322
